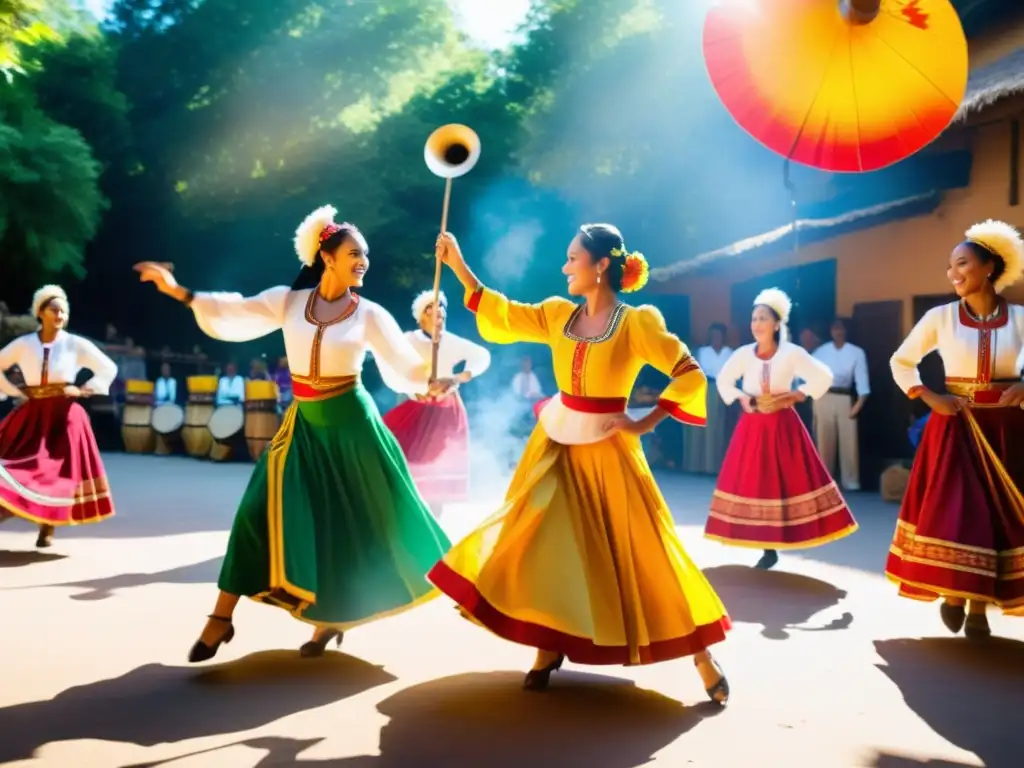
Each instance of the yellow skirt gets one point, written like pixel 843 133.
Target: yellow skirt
pixel 583 559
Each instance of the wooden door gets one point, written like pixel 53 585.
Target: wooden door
pixel 882 426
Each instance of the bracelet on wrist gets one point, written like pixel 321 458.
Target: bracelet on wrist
pixel 187 298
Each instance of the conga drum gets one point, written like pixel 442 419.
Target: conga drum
pixel 167 422
pixel 202 392
pixel 227 425
pixel 261 419
pixel 136 422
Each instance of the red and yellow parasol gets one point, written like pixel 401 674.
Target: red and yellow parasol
pixel 840 85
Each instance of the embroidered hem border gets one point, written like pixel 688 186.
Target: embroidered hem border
pixel 577 649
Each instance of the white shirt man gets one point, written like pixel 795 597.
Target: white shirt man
pixel 526 385
pixel 835 414
pixel 230 388
pixel 166 389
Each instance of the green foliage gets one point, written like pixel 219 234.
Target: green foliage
pixel 50 203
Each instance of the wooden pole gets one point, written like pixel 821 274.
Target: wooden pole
pixel 436 335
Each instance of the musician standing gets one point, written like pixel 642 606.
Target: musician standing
pixel 835 414
pixel 434 433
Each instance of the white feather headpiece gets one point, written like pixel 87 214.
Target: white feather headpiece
pixel 308 235
pixel 45 294
pixel 781 304
pixel 777 300
pixel 424 300
pixel 1004 241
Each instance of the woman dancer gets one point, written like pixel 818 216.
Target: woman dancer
pixel 773 491
pixel 434 433
pixel 50 467
pixel 583 561
pixel 331 527
pixel 960 533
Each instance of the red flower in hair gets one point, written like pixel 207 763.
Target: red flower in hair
pixel 329 230
pixel 635 272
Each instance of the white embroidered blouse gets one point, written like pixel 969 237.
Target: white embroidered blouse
pixel 56 363
pixel 774 376
pixel 317 352
pixel 451 351
pixel 972 351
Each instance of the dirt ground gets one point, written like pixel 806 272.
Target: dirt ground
pixel 827 666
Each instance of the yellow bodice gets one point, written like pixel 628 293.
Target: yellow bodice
pixel 604 366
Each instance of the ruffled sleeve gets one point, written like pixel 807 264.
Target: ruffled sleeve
pixel 922 339
pixel 503 321
pixel 685 397
pixel 233 317
pixel 400 365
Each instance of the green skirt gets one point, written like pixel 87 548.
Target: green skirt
pixel 331 527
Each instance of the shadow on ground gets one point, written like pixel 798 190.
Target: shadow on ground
pixel 205 572
pixel 21 558
pixel 780 602
pixel 156 704
pixel 963 690
pixel 890 760
pixel 486 719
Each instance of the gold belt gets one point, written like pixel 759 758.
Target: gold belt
pixel 44 391
pixel 979 394
pixel 769 404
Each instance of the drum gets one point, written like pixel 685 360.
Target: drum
pixel 136 419
pixel 167 422
pixel 226 427
pixel 261 419
pixel 202 392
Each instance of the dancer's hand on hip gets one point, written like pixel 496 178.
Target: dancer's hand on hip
pixel 945 405
pixel 1013 396
pixel 441 388
pixel 622 423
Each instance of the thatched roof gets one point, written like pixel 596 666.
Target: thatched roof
pixel 992 83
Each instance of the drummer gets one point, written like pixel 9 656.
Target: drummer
pixel 231 387
pixel 166 387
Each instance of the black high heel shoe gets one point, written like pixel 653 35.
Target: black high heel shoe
pixel 315 648
pixel 768 560
pixel 45 538
pixel 538 679
pixel 953 616
pixel 203 652
pixel 719 692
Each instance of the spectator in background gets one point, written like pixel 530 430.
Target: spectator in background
pixel 231 387
pixel 525 383
pixel 704 449
pixel 166 387
pixel 283 379
pixel 835 414
pixel 258 370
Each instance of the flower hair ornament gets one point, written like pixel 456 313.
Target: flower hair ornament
pixel 780 304
pixel 45 295
pixel 1004 241
pixel 424 300
pixel 313 231
pixel 635 272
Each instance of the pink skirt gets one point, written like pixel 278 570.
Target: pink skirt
pixel 434 437
pixel 48 448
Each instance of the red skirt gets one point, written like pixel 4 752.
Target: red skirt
pixel 48 447
pixel 434 437
pixel 773 490
pixel 960 531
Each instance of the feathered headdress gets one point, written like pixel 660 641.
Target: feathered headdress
pixel 781 304
pixel 48 293
pixel 313 230
pixel 424 300
pixel 1004 241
